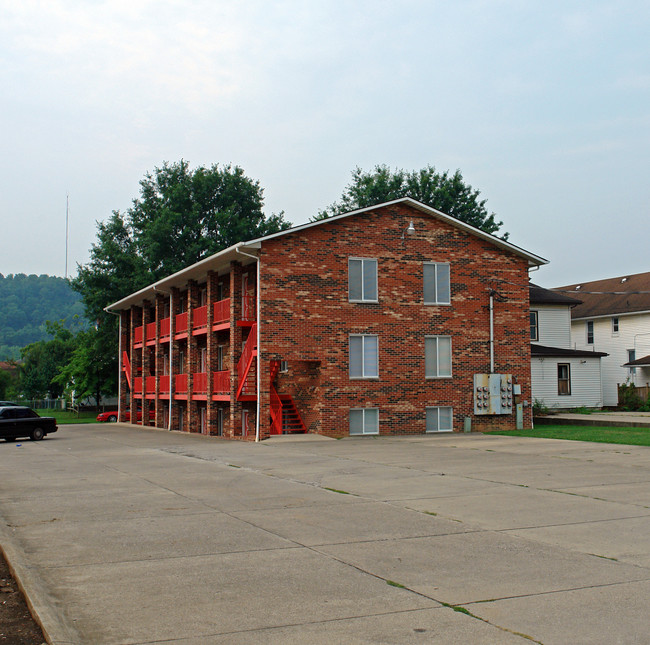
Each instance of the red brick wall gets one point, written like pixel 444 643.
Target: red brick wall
pixel 306 316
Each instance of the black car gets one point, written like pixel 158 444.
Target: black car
pixel 18 421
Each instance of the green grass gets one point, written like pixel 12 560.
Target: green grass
pixel 67 416
pixel 629 436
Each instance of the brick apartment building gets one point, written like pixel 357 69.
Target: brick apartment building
pixel 377 321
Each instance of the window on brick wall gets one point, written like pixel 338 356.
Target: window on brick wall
pixel 364 421
pixel 362 280
pixel 437 356
pixel 437 289
pixel 364 356
pixel 440 419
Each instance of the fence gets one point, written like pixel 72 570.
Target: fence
pixel 44 404
pixel 640 391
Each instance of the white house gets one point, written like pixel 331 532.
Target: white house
pixel 614 317
pixel 561 376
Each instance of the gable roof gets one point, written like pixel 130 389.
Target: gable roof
pixel 221 261
pixel 622 295
pixel 541 296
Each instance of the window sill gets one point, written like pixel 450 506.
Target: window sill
pixel 364 302
pixel 364 378
pixel 437 378
pixel 437 304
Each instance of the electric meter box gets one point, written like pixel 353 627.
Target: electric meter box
pixel 493 394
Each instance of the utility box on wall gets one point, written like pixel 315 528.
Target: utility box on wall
pixel 493 394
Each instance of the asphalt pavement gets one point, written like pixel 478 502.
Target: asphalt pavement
pixel 125 535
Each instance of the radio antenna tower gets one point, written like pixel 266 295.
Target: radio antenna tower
pixel 67 210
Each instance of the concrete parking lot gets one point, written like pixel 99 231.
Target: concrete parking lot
pixel 122 535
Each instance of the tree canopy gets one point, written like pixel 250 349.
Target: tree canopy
pixel 443 191
pixel 180 217
pixel 26 303
pixel 43 360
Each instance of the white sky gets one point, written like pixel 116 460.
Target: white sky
pixel 543 106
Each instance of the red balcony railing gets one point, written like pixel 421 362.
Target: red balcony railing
pixel 221 311
pixel 163 386
pixel 221 382
pixel 200 382
pixel 137 335
pixel 181 323
pixel 248 308
pixel 137 385
pixel 150 384
pixel 150 331
pixel 180 384
pixel 200 317
pixel 164 327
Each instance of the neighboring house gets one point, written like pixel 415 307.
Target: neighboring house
pixel 614 317
pixel 562 377
pixel 376 321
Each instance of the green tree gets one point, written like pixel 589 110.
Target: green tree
pixel 181 216
pixel 443 191
pixel 43 360
pixel 90 372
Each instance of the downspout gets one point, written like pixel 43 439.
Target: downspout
pixel 257 316
pixel 491 332
pixel 119 361
pixel 172 319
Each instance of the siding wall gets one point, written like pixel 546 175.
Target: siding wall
pixel 585 382
pixel 554 324
pixel 634 333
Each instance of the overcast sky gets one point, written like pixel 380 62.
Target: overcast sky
pixel 543 106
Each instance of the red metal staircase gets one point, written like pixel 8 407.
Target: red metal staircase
pixel 285 417
pixel 244 385
pixel 126 367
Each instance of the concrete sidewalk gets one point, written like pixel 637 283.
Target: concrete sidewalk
pixel 603 418
pixel 122 535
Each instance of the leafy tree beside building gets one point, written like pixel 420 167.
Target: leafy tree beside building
pixel 443 191
pixel 181 216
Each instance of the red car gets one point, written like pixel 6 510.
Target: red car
pixel 112 415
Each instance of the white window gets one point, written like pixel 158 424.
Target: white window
pixel 590 332
pixel 440 419
pixel 437 289
pixel 284 367
pixel 364 357
pixel 615 326
pixel 364 421
pixel 564 379
pixel 362 280
pixel 437 356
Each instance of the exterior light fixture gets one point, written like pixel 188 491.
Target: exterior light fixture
pixel 410 230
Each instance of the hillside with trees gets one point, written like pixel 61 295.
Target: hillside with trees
pixel 27 302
